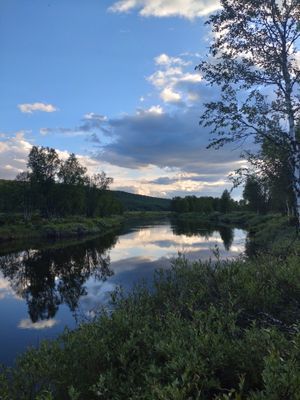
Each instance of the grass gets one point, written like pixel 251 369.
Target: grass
pixel 15 228
pixel 147 214
pixel 235 218
pixel 214 330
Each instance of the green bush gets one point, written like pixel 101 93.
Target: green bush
pixel 216 330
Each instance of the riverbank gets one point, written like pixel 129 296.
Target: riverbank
pixel 208 330
pixel 266 232
pixel 243 219
pixel 148 214
pixel 14 228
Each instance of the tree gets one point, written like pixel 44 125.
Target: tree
pixel 72 172
pixel 277 176
pixel 225 202
pixel 254 195
pixel 100 181
pixel 44 164
pixel 227 235
pixel 254 64
pixel 273 175
pixel 96 186
pixel 72 177
pixel 58 188
pixel 26 192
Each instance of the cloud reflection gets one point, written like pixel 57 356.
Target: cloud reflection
pixel 28 324
pixel 153 243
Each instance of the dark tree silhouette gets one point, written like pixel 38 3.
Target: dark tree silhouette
pixel 255 48
pixel 51 277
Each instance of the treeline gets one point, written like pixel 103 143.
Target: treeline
pixel 56 188
pixel 263 193
pixel 205 205
pixel 269 195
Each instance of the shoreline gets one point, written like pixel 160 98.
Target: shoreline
pixel 14 229
pixel 59 229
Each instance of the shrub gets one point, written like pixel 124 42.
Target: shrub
pixel 215 330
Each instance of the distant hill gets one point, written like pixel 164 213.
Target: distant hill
pixel 137 202
pixel 9 197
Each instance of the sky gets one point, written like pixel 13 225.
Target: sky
pixel 115 83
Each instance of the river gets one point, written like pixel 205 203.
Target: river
pixel 45 287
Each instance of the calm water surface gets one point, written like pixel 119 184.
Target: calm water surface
pixel 44 288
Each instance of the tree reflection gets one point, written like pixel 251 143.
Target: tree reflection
pixel 227 235
pixel 190 228
pixel 48 278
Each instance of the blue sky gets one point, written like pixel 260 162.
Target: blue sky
pixel 113 82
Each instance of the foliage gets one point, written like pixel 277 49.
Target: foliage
pixel 13 227
pixel 96 186
pixel 215 330
pixel 204 204
pixel 44 164
pixel 57 275
pixel 72 172
pixel 276 175
pixel 57 188
pixel 72 199
pixel 255 195
pixel 253 60
pixel 268 178
pixel 226 204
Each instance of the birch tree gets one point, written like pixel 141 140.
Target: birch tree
pixel 253 59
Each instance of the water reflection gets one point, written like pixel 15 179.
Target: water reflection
pixel 192 228
pixel 227 235
pixel 44 288
pixel 45 279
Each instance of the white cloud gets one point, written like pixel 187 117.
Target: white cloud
pixel 174 80
pixel 29 108
pixel 13 158
pixel 3 147
pixel 146 150
pixel 5 288
pixel 143 178
pixel 189 9
pixel 152 111
pixel 137 149
pixel 13 153
pixel 95 117
pixel 164 59
pixel 44 131
pixel 28 324
pixel 167 76
pixel 191 78
pixel 193 97
pixel 169 96
pixel 155 110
